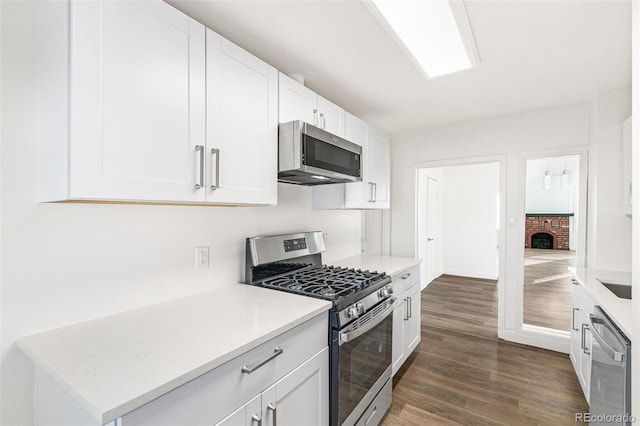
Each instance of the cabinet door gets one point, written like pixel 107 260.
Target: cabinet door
pixel 331 117
pixel 584 374
pixel 237 418
pixel 378 166
pixel 575 349
pixel 137 101
pixel 397 348
pixel 412 325
pixel 357 194
pixel 296 102
pixel 242 125
pixel 301 397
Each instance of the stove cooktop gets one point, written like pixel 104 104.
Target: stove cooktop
pixel 326 282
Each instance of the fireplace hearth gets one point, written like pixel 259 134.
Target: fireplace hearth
pixel 547 230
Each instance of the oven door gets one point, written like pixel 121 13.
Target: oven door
pixel 363 362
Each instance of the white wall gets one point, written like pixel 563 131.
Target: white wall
pixel 64 263
pixel 555 199
pixel 470 216
pixel 609 234
pixel 509 136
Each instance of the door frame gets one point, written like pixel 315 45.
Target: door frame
pixel 502 235
pixel 547 338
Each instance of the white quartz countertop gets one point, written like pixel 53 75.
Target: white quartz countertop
pixel 618 309
pixel 115 364
pixel 390 264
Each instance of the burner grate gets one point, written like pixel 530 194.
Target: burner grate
pixel 326 282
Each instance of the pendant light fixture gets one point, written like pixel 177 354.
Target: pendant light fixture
pixel 565 179
pixel 547 180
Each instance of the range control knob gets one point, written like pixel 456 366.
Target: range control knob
pixel 360 308
pixel 386 291
pixel 352 312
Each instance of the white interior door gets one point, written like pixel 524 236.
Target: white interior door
pixel 431 225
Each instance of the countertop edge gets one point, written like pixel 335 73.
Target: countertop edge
pixel 598 301
pixel 108 414
pixel 412 262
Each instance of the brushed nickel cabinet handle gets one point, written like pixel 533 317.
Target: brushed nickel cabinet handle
pixel 405 276
pixel 272 407
pixel 200 184
pixel 256 419
pixel 250 368
pixel 573 314
pixel 216 185
pixel 582 343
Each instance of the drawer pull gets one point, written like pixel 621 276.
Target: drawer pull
pixel 405 276
pixel 272 407
pixel 256 419
pixel 250 368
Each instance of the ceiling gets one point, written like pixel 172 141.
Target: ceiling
pixel 533 55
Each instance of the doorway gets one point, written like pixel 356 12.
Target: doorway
pixel 458 220
pixel 552 220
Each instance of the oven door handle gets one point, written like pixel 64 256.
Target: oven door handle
pixel 347 337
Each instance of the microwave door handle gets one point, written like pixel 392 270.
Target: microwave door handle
pixel 611 353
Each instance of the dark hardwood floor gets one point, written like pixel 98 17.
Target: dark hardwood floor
pixel 547 288
pixel 460 373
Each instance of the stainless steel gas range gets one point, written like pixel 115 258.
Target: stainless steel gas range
pixel 360 327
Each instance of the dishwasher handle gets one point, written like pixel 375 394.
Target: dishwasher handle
pixel 606 347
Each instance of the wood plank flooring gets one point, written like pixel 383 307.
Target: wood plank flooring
pixel 460 373
pixel 547 288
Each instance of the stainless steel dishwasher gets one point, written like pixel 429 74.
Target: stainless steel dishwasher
pixel 610 398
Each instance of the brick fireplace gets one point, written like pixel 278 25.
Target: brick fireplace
pixel 547 230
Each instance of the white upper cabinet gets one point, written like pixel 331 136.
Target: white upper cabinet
pixel 378 166
pixel 331 117
pixel 121 101
pixel 242 126
pixel 373 191
pixel 133 107
pixel 298 102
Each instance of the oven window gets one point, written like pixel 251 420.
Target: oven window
pixel 323 155
pixel 362 362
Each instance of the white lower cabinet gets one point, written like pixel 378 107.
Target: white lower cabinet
pixel 406 316
pixel 580 347
pixel 299 398
pixel 283 381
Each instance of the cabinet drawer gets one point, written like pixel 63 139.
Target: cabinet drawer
pixel 582 297
pixel 212 396
pixel 405 279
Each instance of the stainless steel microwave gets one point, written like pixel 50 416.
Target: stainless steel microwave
pixel 308 155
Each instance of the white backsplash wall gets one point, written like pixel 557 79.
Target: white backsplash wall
pixel 64 263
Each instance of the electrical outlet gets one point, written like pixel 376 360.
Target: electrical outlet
pixel 202 257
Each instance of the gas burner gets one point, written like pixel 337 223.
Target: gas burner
pixel 326 282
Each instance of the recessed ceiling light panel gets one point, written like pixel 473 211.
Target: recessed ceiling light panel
pixel 435 33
